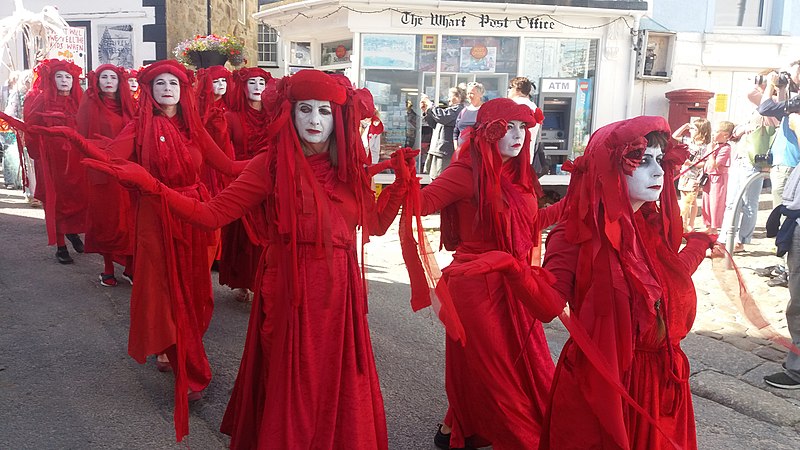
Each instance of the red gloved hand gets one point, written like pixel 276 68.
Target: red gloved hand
pixel 400 163
pixel 492 261
pixel 89 149
pixel 129 174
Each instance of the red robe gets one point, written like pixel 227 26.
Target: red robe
pixel 240 256
pixel 171 301
pixel 497 384
pixel 217 128
pixel 109 224
pixel 61 178
pixel 307 377
pixel 584 411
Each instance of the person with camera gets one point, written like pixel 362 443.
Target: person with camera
pixel 786 153
pixel 785 148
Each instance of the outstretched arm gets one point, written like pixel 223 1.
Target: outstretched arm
pixel 393 196
pixel 694 251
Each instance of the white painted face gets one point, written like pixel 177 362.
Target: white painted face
pixel 63 81
pixel 647 181
pixel 219 86
pixel 313 120
pixel 108 81
pixel 133 83
pixel 255 86
pixel 511 144
pixel 166 89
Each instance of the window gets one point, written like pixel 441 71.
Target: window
pixel 267 46
pixel 242 11
pixel 741 13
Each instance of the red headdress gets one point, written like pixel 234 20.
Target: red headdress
pixel 237 94
pixel 44 91
pixel 146 134
pixel 627 264
pixel 289 165
pixel 493 179
pixel 205 89
pixel 93 115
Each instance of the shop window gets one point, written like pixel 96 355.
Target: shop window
pixel 337 52
pixel 267 46
pixel 741 14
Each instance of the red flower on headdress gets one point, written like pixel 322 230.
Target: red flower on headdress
pixel 495 130
pixel 631 158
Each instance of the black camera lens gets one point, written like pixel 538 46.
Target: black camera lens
pixel 783 79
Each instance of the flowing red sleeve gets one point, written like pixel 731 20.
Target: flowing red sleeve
pixel 123 145
pixel 452 185
pixel 561 259
pixel 694 251
pixel 240 197
pixel 549 215
pixel 533 286
pixel 386 208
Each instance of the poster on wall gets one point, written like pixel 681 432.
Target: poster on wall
pixel 115 45
pixel 478 59
pixel 301 54
pixel 389 51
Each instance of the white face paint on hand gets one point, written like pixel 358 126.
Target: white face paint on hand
pixel 133 83
pixel 219 86
pixel 511 144
pixel 63 81
pixel 313 120
pixel 647 181
pixel 108 81
pixel 255 86
pixel 166 89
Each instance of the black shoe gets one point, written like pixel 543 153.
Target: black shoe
pixel 781 280
pixel 442 441
pixel 77 244
pixel 766 271
pixel 781 381
pixel 62 255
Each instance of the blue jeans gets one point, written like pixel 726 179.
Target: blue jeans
pixel 739 173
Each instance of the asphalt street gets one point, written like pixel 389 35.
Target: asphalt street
pixel 66 381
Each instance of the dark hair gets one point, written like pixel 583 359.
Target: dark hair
pixel 521 84
pixel 657 139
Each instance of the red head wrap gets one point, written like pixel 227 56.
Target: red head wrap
pixel 123 95
pixel 237 94
pixel 492 178
pixel 44 83
pixel 205 89
pixel 289 165
pixel 102 115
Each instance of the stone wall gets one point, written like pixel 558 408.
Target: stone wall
pixel 187 18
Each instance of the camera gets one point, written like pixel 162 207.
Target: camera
pixel 793 105
pixel 784 79
pixel 763 159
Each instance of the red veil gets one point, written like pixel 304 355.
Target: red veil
pixel 205 90
pixel 93 114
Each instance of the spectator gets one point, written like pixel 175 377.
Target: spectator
pixel 716 166
pixel 14 108
pixel 752 138
pixel 519 90
pixel 443 121
pixel 785 149
pixel 692 169
pixel 468 115
pixel 790 377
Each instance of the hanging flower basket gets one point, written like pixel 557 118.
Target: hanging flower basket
pixel 211 50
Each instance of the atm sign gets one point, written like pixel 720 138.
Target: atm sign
pixel 559 85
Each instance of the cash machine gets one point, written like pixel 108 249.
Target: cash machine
pixel 557 99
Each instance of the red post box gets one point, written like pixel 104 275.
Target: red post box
pixel 686 105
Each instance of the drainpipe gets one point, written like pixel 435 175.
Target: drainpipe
pixel 208 16
pixel 632 66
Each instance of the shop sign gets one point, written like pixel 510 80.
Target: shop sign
pixel 558 85
pixel 480 21
pixel 429 42
pixel 341 51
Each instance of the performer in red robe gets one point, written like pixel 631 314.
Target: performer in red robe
pixel 307 377
pixel 171 301
pixel 247 125
pixel 212 100
pixel 498 378
pixel 105 109
pixel 617 262
pixel 61 180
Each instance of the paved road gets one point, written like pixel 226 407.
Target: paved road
pixel 66 380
